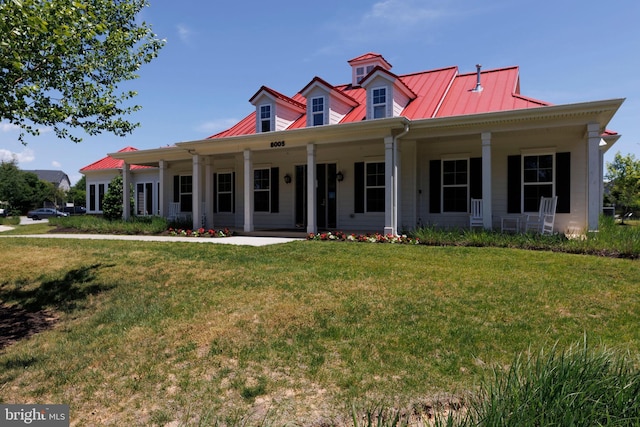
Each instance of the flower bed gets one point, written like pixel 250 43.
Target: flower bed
pixel 200 232
pixel 367 238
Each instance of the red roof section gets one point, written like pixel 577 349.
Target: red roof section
pixel 110 163
pixel 439 93
pixel 500 92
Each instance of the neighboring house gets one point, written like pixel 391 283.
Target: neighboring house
pixel 387 153
pixel 58 178
pixel 99 174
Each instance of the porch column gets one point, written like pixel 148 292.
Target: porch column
pixel 208 193
pixel 162 165
pixel 594 176
pixel 248 192
pixel 312 214
pixel 487 205
pixel 390 214
pixel 196 197
pixel 126 191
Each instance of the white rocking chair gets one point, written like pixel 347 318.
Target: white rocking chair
pixel 174 211
pixel 476 219
pixel 544 220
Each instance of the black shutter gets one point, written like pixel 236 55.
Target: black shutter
pixel 563 182
pixel 275 196
pixel 215 193
pixel 434 186
pixel 233 192
pixel 358 190
pixel 475 178
pixel 176 188
pixel 514 186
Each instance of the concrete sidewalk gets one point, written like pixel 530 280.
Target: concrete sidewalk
pixel 233 240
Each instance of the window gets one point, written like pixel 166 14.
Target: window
pixel 183 192
pixel 101 191
pixel 360 72
pixel 455 185
pixel 144 199
pixel 379 102
pixel 261 190
pixel 374 187
pixel 265 118
pixel 92 197
pixel 224 192
pixel 537 180
pixel 317 111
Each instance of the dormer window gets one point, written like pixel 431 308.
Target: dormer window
pixel 317 110
pixel 379 102
pixel 265 118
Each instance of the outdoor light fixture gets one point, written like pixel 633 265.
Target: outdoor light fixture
pixel 287 179
pixel 339 176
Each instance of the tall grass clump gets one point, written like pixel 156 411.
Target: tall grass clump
pixel 96 224
pixel 580 386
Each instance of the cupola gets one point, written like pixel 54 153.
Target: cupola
pixel 364 64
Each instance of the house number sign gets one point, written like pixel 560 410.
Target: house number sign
pixel 277 144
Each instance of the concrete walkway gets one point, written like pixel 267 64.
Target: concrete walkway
pixel 233 240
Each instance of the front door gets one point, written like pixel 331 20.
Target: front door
pixel 326 196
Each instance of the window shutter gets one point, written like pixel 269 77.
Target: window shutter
pixel 176 188
pixel 475 177
pixel 215 193
pixel 434 186
pixel 514 186
pixel 358 190
pixel 233 192
pixel 275 172
pixel 563 182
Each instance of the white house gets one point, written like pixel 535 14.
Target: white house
pixel 384 152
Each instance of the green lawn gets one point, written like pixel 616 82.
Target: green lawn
pixel 149 333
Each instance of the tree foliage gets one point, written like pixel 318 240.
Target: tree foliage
pixel 112 206
pixel 624 182
pixel 61 62
pixel 21 190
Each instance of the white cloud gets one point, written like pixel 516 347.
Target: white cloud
pixel 184 33
pixel 25 156
pixel 56 164
pixel 214 126
pixel 401 14
pixel 8 127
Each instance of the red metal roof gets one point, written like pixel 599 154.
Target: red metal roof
pixel 109 162
pixel 439 93
pixel 368 56
pixel 500 89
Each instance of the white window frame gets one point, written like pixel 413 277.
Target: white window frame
pixel 361 73
pixel 368 187
pixel 317 111
pixel 525 184
pixel 229 192
pixel 379 106
pixel 182 193
pixel 455 184
pixel 262 190
pixel 263 118
pixel 145 195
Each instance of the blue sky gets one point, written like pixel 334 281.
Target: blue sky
pixel 218 54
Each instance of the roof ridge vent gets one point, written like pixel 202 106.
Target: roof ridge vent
pixel 478 87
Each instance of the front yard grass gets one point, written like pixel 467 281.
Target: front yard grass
pixel 153 333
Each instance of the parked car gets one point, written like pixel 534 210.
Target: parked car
pixel 45 213
pixel 74 210
pixel 3 212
